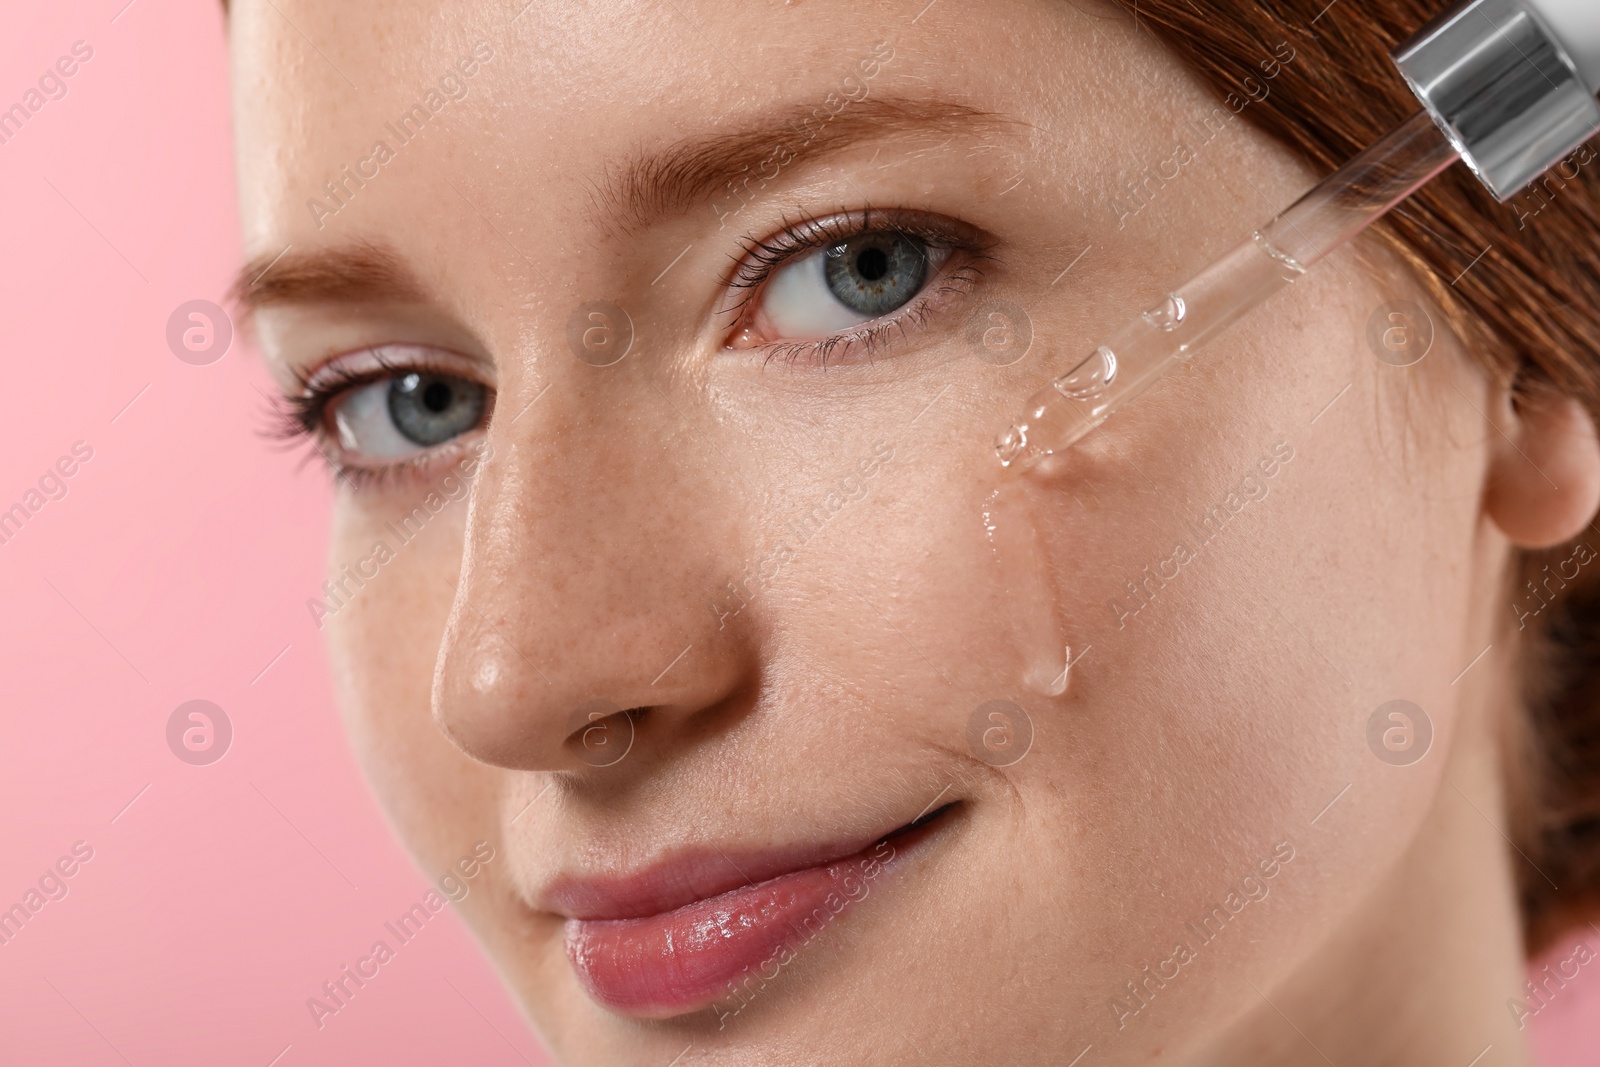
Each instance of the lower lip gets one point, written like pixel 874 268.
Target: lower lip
pixel 683 960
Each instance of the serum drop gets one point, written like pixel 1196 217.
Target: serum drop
pixel 1010 522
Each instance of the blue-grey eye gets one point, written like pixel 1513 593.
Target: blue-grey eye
pixel 410 412
pixel 875 273
pixel 429 409
pixel 843 285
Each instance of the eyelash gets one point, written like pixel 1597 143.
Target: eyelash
pixel 763 256
pixel 304 416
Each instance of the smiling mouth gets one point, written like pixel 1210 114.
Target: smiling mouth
pixel 680 935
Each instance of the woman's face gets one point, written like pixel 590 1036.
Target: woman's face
pixel 661 350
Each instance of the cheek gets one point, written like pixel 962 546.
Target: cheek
pixel 1225 696
pixel 895 589
pixel 383 643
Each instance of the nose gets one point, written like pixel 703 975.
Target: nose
pixel 585 601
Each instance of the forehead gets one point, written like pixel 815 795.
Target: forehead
pixel 484 101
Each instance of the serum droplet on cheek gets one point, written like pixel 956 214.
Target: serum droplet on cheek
pixel 1010 518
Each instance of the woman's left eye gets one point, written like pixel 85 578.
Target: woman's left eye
pixel 400 416
pixel 819 288
pixel 833 289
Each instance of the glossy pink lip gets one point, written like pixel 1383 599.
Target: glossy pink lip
pixel 679 935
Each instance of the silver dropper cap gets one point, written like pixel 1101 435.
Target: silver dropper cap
pixel 1503 89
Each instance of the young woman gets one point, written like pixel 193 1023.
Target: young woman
pixel 659 352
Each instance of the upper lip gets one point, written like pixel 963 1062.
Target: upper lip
pixel 696 872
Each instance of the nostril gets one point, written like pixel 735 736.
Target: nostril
pixel 601 733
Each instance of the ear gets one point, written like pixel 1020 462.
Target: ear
pixel 1544 475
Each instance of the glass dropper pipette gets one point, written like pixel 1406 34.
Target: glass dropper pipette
pixel 1499 90
pixel 1130 360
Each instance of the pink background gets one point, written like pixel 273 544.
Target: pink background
pixel 177 568
pixel 226 894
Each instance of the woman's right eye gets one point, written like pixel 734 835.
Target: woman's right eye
pixel 402 415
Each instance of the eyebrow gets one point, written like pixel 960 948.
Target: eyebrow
pixel 359 272
pixel 696 173
pixel 703 173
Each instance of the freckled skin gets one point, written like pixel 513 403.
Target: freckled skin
pixel 829 695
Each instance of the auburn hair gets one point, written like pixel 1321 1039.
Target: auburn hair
pixel 1529 309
